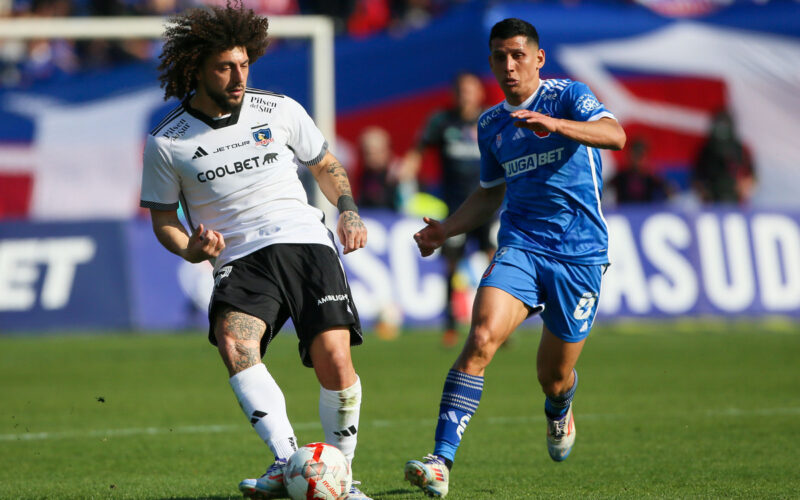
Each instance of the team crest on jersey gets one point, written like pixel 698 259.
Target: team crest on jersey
pixel 498 140
pixel 263 137
pixel 541 135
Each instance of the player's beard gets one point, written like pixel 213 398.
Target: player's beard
pixel 226 103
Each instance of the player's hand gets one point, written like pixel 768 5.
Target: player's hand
pixel 430 237
pixel 352 231
pixel 535 121
pixel 204 245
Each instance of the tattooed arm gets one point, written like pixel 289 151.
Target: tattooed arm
pixel 333 182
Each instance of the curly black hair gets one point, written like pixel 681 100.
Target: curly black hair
pixel 194 35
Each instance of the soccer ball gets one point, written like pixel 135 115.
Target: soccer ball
pixel 317 471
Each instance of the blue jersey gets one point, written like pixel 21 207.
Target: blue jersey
pixel 553 184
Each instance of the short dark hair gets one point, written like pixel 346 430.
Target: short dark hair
pixel 511 27
pixel 191 37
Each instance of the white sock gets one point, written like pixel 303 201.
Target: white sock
pixel 264 405
pixel 338 412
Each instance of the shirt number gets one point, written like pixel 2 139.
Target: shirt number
pixel 585 306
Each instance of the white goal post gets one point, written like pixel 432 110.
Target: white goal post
pixel 319 29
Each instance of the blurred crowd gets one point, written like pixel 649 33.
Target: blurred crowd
pixel 723 171
pixel 24 62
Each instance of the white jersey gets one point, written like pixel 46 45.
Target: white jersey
pixel 238 175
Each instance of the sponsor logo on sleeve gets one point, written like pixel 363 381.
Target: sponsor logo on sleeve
pixel 176 131
pixel 587 103
pixel 262 104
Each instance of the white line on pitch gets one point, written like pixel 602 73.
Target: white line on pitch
pixel 137 431
pixel 215 429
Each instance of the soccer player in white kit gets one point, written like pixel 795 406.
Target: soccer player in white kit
pixel 228 155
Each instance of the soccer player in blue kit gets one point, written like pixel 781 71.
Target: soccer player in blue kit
pixel 539 152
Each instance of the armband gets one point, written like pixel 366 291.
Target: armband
pixel 346 202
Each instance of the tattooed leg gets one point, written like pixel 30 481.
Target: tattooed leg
pixel 238 339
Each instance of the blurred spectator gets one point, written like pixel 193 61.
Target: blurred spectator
pixel 263 7
pixel 379 188
pixel 378 185
pixel 369 17
pixel 412 14
pixel 339 10
pixel 23 62
pixel 51 8
pixel 45 58
pixel 724 171
pixel 48 58
pixel 635 181
pixel 100 53
pixel 454 133
pixel 12 53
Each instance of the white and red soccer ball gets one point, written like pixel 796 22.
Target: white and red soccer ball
pixel 317 471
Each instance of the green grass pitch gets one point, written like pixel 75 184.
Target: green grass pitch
pixel 664 410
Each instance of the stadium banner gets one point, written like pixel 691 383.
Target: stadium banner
pixel 723 262
pixel 63 276
pixel 167 292
pixel 665 262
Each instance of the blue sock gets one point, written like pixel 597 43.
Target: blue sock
pixel 556 406
pixel 460 398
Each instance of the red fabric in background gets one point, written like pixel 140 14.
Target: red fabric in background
pixel 15 195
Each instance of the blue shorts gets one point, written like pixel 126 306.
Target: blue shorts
pixel 565 294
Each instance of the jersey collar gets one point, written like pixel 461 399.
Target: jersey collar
pixel 231 119
pixel 527 102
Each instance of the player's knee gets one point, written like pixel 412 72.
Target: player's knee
pixel 237 354
pixel 482 338
pixel 334 369
pixel 482 343
pixel 333 359
pixel 225 340
pixel 339 360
